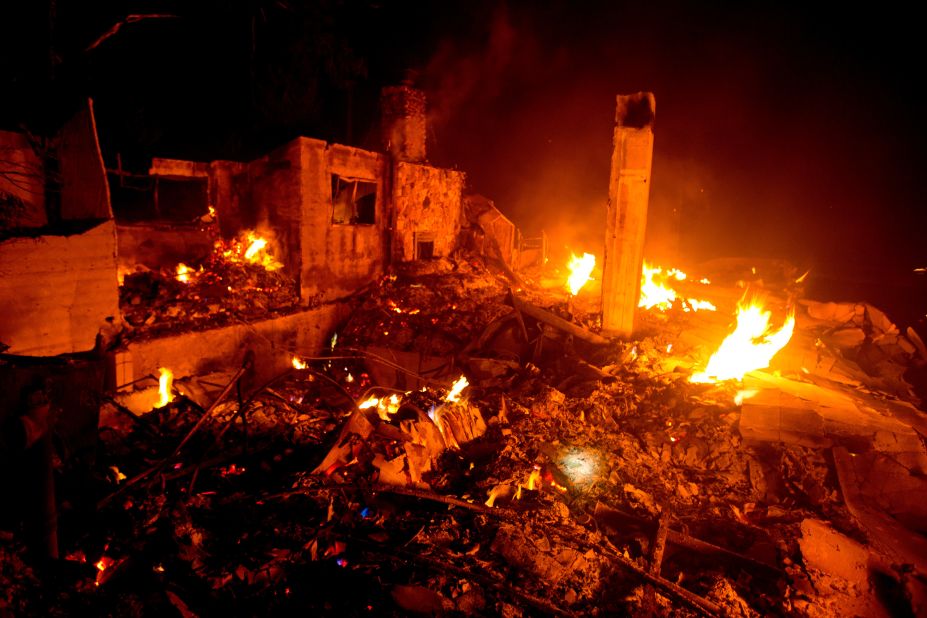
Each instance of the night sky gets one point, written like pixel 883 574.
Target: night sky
pixel 780 132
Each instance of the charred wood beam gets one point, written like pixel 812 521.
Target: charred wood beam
pixel 429 495
pixel 557 322
pixel 681 539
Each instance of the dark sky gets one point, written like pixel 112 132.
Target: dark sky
pixel 794 132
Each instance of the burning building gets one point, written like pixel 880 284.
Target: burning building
pixel 269 380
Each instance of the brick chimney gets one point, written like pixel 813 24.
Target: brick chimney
pixel 403 122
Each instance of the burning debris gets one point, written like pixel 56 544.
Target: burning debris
pixel 240 280
pixel 751 346
pixel 580 272
pixel 657 291
pixel 468 442
pixel 489 459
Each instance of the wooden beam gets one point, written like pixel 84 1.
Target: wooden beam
pixel 626 224
pixel 557 322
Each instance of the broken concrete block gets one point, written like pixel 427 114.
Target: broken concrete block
pixel 794 412
pixel 899 544
pixel 839 313
pixel 846 338
pixel 838 567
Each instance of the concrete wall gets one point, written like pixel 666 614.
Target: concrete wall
pixel 291 195
pixel 338 259
pixel 427 201
pixel 276 201
pixel 158 245
pixel 273 341
pixel 229 194
pixel 57 291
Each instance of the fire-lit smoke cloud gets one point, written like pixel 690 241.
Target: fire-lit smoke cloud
pixel 778 133
pixel 462 74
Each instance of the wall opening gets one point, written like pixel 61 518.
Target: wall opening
pixel 424 245
pixel 354 202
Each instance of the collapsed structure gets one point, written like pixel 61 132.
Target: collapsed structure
pixel 326 366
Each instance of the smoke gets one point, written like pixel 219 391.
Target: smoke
pixel 777 134
pixel 466 73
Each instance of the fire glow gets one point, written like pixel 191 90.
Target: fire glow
pixel 250 248
pixel 386 406
pixel 657 293
pixel 580 271
pixel 165 381
pixel 184 273
pixel 751 346
pixel 454 395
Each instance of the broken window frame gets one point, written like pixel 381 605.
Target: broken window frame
pixel 357 210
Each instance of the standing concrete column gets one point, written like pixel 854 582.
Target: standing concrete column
pixel 628 193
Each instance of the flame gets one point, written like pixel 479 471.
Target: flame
pixel 751 346
pixel 454 395
pixel 371 402
pixel 655 291
pixel 534 479
pixel 165 380
pixel 298 363
pixel 121 273
pixel 743 395
pixel 250 247
pixel 183 273
pixel 694 304
pixel 386 406
pixel 580 269
pixel 257 244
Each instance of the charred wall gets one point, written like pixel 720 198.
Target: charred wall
pixel 341 257
pixel 428 210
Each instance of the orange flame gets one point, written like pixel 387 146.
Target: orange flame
pixel 580 271
pixel 751 346
pixel 183 273
pixel 386 406
pixel 656 292
pixel 165 380
pixel 298 363
pixel 251 248
pixel 454 394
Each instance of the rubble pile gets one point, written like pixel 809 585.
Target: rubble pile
pixel 215 293
pixel 565 474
